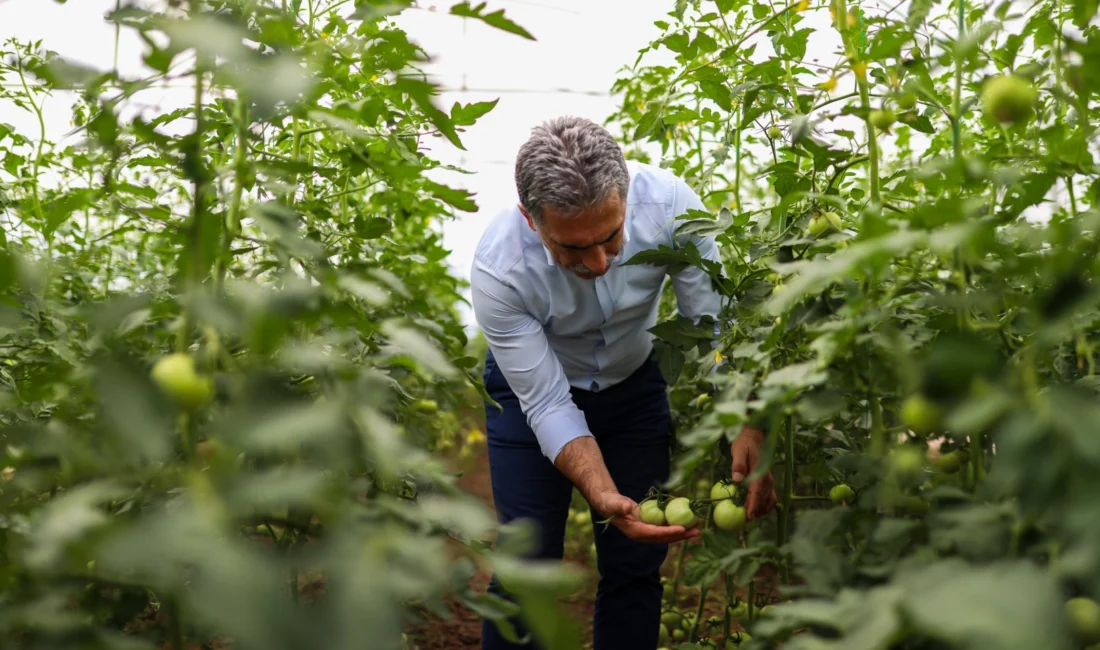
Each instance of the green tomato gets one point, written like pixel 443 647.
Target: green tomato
pixel 702 488
pixel 778 289
pixel 1009 99
pixel 774 133
pixel 883 119
pixel 678 513
pixel 1084 618
pixel 741 612
pixel 650 513
pixel 723 490
pixel 688 621
pixel 818 226
pixel 728 515
pixel 948 463
pixel 671 618
pixel 907 101
pixel 663 634
pixel 426 405
pixel 822 224
pixel 176 376
pixel 841 493
pixel 920 414
pixel 582 517
pixel 678 634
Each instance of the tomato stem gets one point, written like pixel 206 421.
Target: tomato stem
pixel 956 109
pixel 233 219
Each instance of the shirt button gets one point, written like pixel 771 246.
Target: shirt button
pixel 595 387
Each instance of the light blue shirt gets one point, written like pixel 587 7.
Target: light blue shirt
pixel 549 329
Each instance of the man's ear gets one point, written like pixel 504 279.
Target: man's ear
pixel 530 221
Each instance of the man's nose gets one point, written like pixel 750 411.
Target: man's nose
pixel 596 259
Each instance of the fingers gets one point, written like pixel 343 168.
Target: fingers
pixel 740 467
pixel 647 533
pixel 752 503
pixel 762 498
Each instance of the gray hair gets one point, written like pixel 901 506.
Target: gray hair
pixel 568 164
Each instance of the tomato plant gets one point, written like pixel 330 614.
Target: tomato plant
pixel 230 357
pixel 924 364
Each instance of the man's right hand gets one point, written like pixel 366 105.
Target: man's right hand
pixel 623 512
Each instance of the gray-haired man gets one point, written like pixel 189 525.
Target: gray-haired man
pixel 570 361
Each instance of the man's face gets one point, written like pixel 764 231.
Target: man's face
pixel 584 243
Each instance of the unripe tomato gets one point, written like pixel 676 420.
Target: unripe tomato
pixel 582 517
pixel 1084 618
pixel 920 414
pixel 728 515
pixel 907 101
pixel 723 490
pixel 678 634
pixel 823 223
pixel 688 621
pixel 739 613
pixel 671 619
pixel 175 374
pixel 426 405
pixel 841 493
pixel 948 463
pixel 650 513
pixel 678 513
pixel 882 119
pixel 663 634
pixel 1009 99
pixel 778 289
pixel 774 133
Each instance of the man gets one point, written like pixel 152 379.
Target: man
pixel 570 362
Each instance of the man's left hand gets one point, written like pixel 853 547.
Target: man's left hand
pixel 746 455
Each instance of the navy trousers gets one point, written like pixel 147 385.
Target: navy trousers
pixel 632 424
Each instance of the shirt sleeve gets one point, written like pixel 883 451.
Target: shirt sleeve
pixel 524 356
pixel 695 297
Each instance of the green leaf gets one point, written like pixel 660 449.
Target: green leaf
pixel 66 520
pixel 459 198
pixel 918 11
pixel 1012 605
pixel 421 92
pixel 406 340
pixel 469 114
pixel 1084 11
pixel 496 19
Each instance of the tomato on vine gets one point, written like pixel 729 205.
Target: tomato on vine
pixel 678 512
pixel 176 375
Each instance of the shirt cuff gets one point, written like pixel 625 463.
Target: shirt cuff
pixel 557 428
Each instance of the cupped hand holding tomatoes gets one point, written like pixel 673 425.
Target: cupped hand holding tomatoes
pixel 746 456
pixel 624 514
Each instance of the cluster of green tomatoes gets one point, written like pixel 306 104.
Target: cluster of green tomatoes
pixel 667 510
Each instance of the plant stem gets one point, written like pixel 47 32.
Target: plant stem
pixel 878 432
pixel 956 117
pixel 737 161
pixel 175 624
pixel 233 219
pixel 784 510
pixel 699 612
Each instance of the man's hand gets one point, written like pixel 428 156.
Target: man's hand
pixel 581 461
pixel 746 454
pixel 623 512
